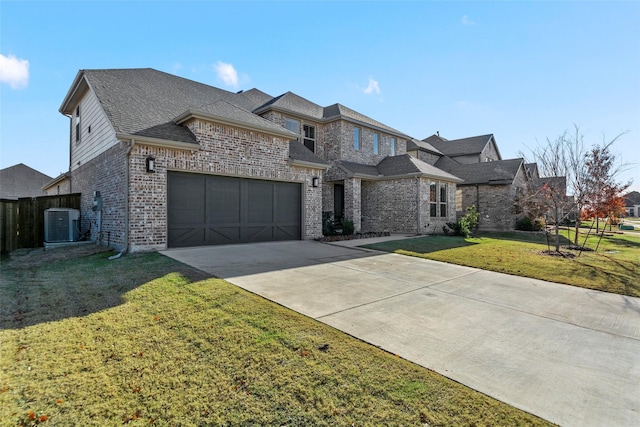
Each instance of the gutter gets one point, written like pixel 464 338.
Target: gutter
pixel 193 114
pixel 312 165
pixel 157 142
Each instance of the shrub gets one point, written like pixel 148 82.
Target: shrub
pixel 527 224
pixel 328 224
pixel 347 227
pixel 466 224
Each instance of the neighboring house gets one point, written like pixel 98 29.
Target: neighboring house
pixel 490 183
pixel 22 181
pixel 162 161
pixel 632 204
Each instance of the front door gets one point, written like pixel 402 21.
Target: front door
pixel 338 202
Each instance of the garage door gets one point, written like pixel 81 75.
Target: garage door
pixel 218 210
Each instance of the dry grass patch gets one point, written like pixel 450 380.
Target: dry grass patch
pixel 145 339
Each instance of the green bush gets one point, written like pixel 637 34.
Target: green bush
pixel 527 224
pixel 467 223
pixel 347 227
pixel 328 224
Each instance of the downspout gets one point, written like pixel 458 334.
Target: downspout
pixel 132 143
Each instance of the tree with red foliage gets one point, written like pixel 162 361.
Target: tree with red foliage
pixel 604 195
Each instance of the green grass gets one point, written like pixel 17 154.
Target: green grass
pixel 614 268
pixel 145 339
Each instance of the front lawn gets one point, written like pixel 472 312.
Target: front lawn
pixel 614 268
pixel 146 340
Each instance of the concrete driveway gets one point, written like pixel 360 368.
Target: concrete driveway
pixel 566 354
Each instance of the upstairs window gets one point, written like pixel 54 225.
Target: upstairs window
pixel 292 125
pixel 393 146
pixel 309 133
pixel 376 143
pixel 356 138
pixel 77 124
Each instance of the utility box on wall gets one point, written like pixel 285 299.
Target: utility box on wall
pixel 61 225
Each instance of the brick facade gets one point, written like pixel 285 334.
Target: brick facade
pixel 105 173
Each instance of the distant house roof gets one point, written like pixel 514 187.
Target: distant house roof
pixel 397 166
pixel 632 199
pixel 492 173
pixel 461 147
pixel 22 181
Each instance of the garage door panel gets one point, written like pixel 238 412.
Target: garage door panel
pixel 260 201
pixel 287 198
pixel 223 235
pixel 216 210
pixel 223 200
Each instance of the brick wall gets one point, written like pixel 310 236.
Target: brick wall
pixel 226 151
pixel 105 173
pixel 390 205
pixel 339 144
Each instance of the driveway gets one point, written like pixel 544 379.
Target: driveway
pixel 566 354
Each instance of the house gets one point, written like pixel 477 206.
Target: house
pixel 490 183
pixel 22 181
pixel 632 204
pixel 162 161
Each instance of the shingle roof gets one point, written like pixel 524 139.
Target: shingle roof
pixel 256 97
pixel 299 152
pixel 397 166
pixel 144 101
pixel 434 138
pixel 222 110
pixel 415 144
pixel 337 111
pixel 632 199
pixel 22 181
pixel 497 172
pixel 458 147
pixel 291 102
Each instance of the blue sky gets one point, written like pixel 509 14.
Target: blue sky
pixel 524 71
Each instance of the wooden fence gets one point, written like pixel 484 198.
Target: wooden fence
pixel 22 220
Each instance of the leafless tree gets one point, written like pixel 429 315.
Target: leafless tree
pixel 566 156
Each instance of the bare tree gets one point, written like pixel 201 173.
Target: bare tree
pixel 566 156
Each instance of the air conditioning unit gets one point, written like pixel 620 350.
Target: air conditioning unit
pixel 61 225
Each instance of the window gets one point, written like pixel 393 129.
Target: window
pixel 292 125
pixel 438 199
pixel 77 124
pixel 393 146
pixel 309 133
pixel 376 143
pixel 443 200
pixel 356 139
pixel 433 204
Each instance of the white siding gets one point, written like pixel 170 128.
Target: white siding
pixel 102 135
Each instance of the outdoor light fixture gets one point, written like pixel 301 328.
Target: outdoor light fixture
pixel 151 164
pixel 315 181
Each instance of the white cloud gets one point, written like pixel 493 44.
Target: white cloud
pixel 14 71
pixel 467 21
pixel 373 87
pixel 226 73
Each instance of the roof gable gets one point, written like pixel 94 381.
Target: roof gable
pixel 22 181
pixel 492 173
pixel 145 101
pixel 398 166
pixel 463 146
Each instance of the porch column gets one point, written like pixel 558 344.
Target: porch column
pixel 352 202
